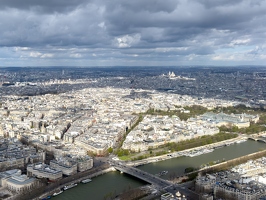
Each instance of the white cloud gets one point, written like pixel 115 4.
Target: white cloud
pixel 235 57
pixel 75 55
pixel 102 25
pixel 35 54
pixel 262 56
pixel 47 55
pixel 127 40
pixel 21 48
pixel 240 42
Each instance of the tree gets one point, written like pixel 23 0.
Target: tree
pixel 110 150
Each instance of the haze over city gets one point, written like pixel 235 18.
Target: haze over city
pixel 132 33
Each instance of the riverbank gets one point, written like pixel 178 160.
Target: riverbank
pixel 48 189
pixel 175 168
pixel 105 168
pixel 76 181
pixel 187 152
pixel 231 163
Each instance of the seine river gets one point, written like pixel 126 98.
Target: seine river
pixel 115 183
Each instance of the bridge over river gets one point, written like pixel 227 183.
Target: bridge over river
pixel 158 182
pixel 145 176
pixel 258 138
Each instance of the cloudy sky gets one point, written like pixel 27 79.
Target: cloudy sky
pixel 132 32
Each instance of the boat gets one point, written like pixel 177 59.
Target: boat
pixel 70 186
pixel 57 193
pixel 86 180
pixel 240 141
pixel 199 152
pixel 161 173
pixel 164 172
pixel 46 198
pixel 192 154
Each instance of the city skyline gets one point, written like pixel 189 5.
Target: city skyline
pixel 137 33
pixel 62 127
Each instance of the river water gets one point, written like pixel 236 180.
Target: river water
pixel 101 187
pixel 115 183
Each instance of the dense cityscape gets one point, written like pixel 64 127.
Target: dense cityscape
pixel 132 100
pixel 63 126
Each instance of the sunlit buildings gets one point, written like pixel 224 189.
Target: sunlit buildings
pixel 245 181
pixel 14 181
pixel 154 131
pixel 40 170
pixel 220 119
pixel 68 167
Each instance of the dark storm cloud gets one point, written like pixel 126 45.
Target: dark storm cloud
pixel 187 15
pixel 152 6
pixel 28 28
pixel 188 20
pixel 43 5
pixel 217 3
pixel 139 29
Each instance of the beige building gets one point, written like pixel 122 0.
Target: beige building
pixel 220 119
pixel 9 163
pixel 20 183
pixel 5 175
pixel 84 163
pixel 234 193
pixel 94 147
pixel 14 181
pixel 66 166
pixel 44 171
